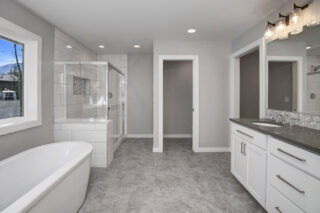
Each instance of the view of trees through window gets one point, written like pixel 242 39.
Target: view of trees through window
pixel 11 78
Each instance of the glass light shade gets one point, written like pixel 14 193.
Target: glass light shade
pixel 282 37
pixel 281 25
pixel 313 23
pixel 295 16
pixel 269 31
pixel 297 31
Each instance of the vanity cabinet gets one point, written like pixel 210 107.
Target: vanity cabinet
pixel 282 177
pixel 294 174
pixel 249 161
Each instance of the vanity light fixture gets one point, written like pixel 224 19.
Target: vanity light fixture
pixel 191 31
pixel 68 46
pixel 292 23
pixel 308 47
pixel 136 46
pixel 101 46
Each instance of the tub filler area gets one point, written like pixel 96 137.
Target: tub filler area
pixel 55 179
pixel 90 102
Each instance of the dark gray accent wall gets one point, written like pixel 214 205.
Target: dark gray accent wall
pixel 177 97
pixel 280 94
pixel 140 93
pixel 16 142
pixel 249 85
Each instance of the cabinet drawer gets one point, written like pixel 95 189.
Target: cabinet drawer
pixel 277 203
pixel 299 187
pixel 300 158
pixel 250 135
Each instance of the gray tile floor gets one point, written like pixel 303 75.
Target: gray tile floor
pixel 176 180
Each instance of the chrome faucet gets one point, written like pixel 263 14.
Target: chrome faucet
pixel 281 120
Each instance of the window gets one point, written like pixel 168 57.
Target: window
pixel 11 78
pixel 20 78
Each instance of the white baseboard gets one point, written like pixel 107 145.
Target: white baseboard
pixel 213 149
pixel 165 136
pixel 177 136
pixel 139 136
pixel 156 149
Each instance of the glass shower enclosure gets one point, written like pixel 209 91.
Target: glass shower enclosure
pixel 90 92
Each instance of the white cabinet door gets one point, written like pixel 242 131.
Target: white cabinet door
pixel 256 172
pixel 239 160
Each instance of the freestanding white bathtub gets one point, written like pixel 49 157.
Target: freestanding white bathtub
pixel 52 178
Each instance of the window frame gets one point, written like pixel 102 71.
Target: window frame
pixel 32 78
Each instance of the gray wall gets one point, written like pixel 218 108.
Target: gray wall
pixel 177 97
pixel 16 142
pixel 140 102
pixel 214 86
pixel 249 85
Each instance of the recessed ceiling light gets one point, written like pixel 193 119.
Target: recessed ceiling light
pixel 68 46
pixel 136 46
pixel 101 46
pixel 308 47
pixel 192 30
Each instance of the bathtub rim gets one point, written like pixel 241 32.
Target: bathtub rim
pixel 35 194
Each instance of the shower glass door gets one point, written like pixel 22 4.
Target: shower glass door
pixel 116 82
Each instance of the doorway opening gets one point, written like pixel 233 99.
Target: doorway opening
pixel 177 103
pixel 169 105
pixel 238 104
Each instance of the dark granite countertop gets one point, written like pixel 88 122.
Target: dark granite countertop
pixel 302 137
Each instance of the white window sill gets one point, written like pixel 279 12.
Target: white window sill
pixel 18 126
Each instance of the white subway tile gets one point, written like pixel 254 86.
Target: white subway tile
pixel 101 127
pixel 89 136
pixel 101 148
pixel 77 126
pixel 99 160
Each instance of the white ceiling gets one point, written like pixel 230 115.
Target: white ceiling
pixel 119 24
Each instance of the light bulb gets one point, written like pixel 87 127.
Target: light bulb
pixel 269 31
pixel 295 16
pixel 281 25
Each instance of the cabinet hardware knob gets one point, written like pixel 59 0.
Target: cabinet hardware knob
pixel 290 184
pixel 291 155
pixel 244 148
pixel 245 134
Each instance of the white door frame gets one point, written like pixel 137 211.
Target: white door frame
pixel 195 98
pixel 299 77
pixel 235 78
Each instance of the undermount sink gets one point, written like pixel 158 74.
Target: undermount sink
pixel 266 124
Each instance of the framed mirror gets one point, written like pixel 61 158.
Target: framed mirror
pixel 293 72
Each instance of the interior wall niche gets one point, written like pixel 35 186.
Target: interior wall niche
pixel 81 86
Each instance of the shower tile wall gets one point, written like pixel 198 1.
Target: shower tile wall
pixel 61 53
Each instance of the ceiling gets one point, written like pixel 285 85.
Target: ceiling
pixel 119 24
